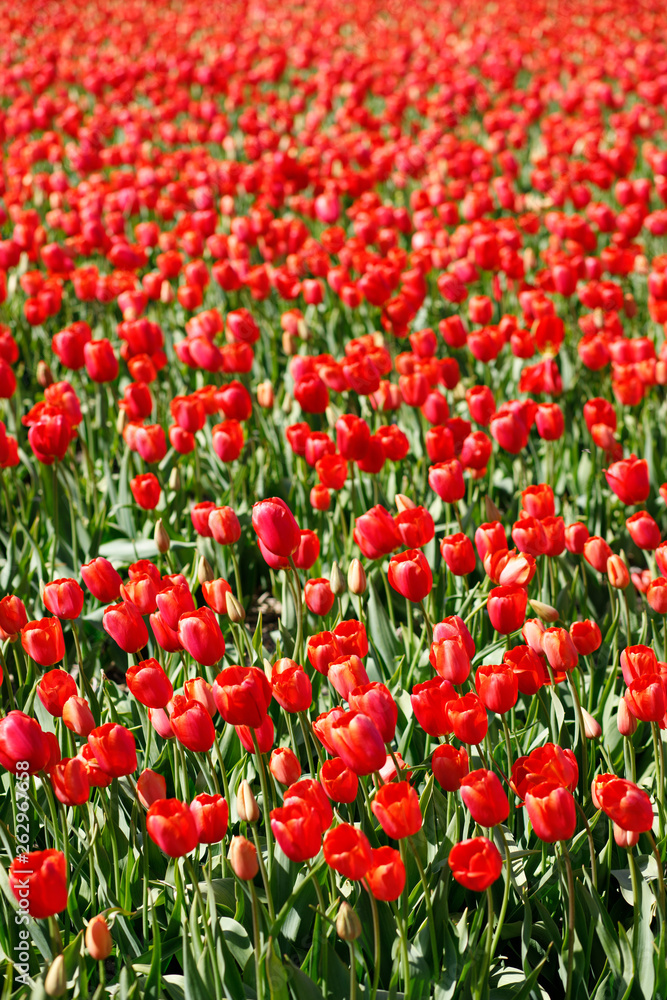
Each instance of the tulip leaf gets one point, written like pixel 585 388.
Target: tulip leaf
pixel 381 634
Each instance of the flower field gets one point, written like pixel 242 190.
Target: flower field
pixel 333 461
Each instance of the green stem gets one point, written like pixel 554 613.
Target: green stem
pixel 570 919
pixel 353 971
pixel 55 520
pixel 377 943
pixel 659 775
pixel 207 927
pixel 295 586
pixel 429 907
pixel 404 950
pixel 263 873
pixel 582 734
pixel 258 945
pixel 266 805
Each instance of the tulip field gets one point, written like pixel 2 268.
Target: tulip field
pixel 333 475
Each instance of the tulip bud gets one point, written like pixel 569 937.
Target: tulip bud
pixel 492 512
pixel 121 421
pixel 348 925
pixel 404 502
pixel 626 722
pixel 246 803
pixel 356 577
pixel 205 571
pixel 529 258
pixel 55 982
pixel 235 610
pixel 629 305
pixel 160 537
pixel 336 581
pixel 174 480
pixel 545 611
pixel 166 293
pixel 625 838
pixel 98 938
pixel 617 571
pixel 44 375
pixel 242 857
pixel 641 264
pixel 290 343
pixel 592 728
pixel 265 395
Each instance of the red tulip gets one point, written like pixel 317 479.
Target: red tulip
pixel 43 641
pixel 101 579
pixel 38 879
pixel 312 793
pixel 375 700
pixel 149 684
pixel 386 876
pixel 356 740
pixel 450 766
pixel 375 533
pixel 13 615
pixel 507 608
pixel 410 575
pixel 53 690
pixel 200 635
pixel 485 797
pixel 551 811
pixel 475 863
pixel 151 786
pixel 124 624
pixel 114 749
pixel 284 766
pixel 63 598
pixel 338 781
pixel 467 717
pixel 22 741
pixel 291 685
pixel 242 695
pixel 629 480
pixel 211 816
pixel 69 779
pixel 276 526
pixel 347 851
pixel 297 830
pixel 429 700
pixel 497 686
pixel 446 479
pixel 624 802
pixel 396 807
pixel 192 724
pixel 171 825
pixel 319 596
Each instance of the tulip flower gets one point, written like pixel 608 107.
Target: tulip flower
pixel 357 741
pixel 507 608
pixel 347 851
pixel 200 635
pixel 242 695
pixel 243 858
pixel 43 641
pixel 192 724
pixel 124 624
pixel 22 741
pixel 38 879
pixel 485 797
pixel 410 575
pixel 101 579
pixel 629 480
pixel 338 781
pixel 114 749
pixel 211 815
pixel 63 598
pixel 69 779
pixel 624 802
pixel 386 876
pixel 151 786
pixel 396 807
pixel 149 683
pixel 171 825
pixel 551 811
pixel 276 526
pixel 475 863
pixel 311 792
pixel 53 690
pixel 297 830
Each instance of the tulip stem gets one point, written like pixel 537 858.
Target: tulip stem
pixel 427 620
pixel 298 609
pixel 661 879
pixel 570 919
pixel 265 799
pixel 353 971
pixel 237 574
pixel 506 896
pixel 377 943
pixel 582 734
pixel 54 519
pixel 3 666
pixel 262 870
pixel 207 927
pixel 319 933
pixel 428 904
pixel 591 846
pixel 489 944
pixel 255 933
pixel 659 775
pixel 306 742
pixel 404 950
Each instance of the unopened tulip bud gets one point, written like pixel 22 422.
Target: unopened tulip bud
pixel 121 421
pixel 205 571
pixel 356 577
pixel 625 838
pixel 404 502
pixel 265 395
pixel 174 480
pixel 598 318
pixel 617 571
pixel 55 981
pixel 242 857
pixel 336 581
pixel 160 537
pixel 492 512
pixel 348 925
pixel 287 403
pixel 98 938
pixel 166 293
pixel 235 610
pixel 44 375
pixel 625 720
pixel 290 343
pixel 302 329
pixel 629 305
pixel 592 728
pixel 641 264
pixel 529 259
pixel 546 612
pixel 246 803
